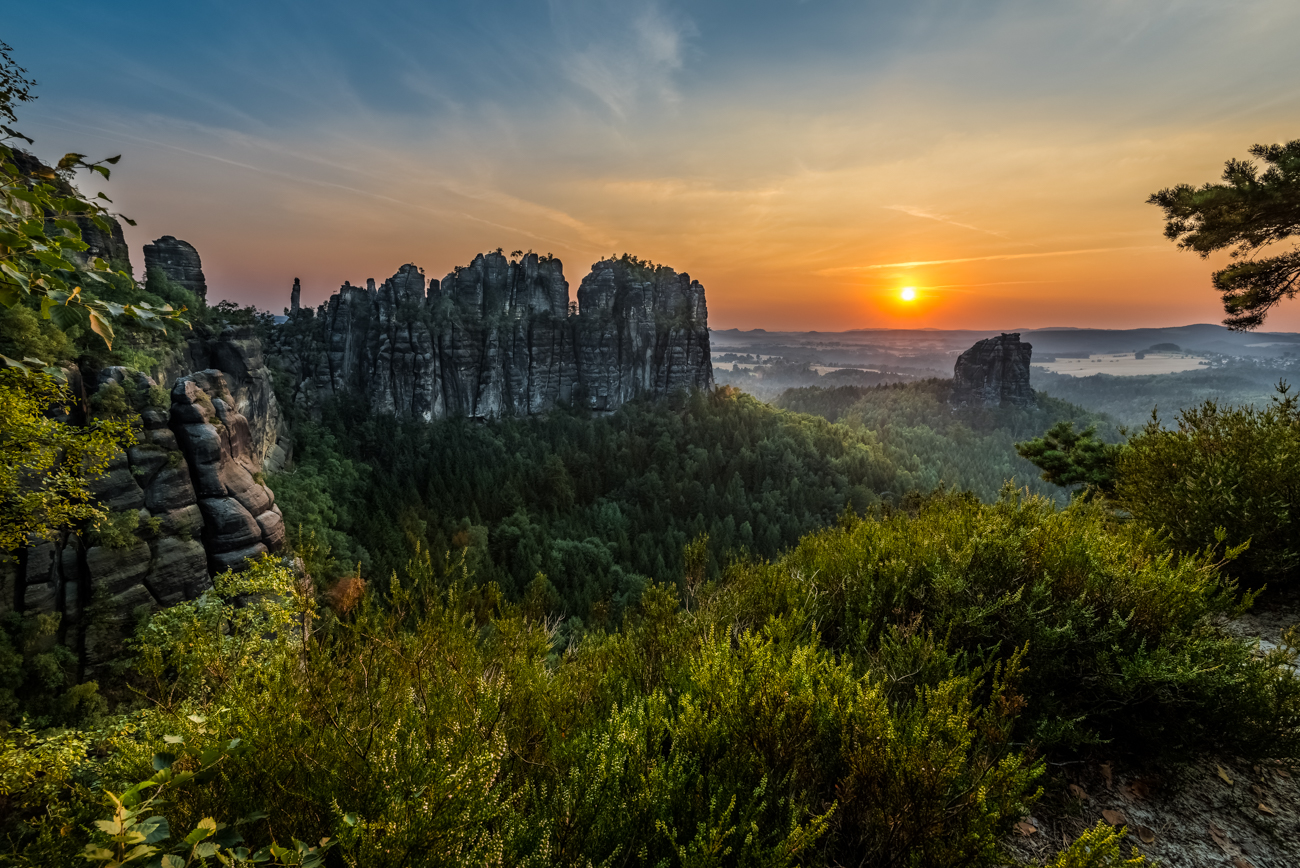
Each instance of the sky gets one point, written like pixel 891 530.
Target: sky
pixel 805 160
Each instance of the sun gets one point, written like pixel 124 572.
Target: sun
pixel 908 293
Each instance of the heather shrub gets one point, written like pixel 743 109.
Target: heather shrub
pixel 1228 469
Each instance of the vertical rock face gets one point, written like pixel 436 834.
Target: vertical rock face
pixel 994 373
pixel 109 245
pixel 179 261
pixel 240 518
pixel 642 330
pixel 183 503
pixel 497 338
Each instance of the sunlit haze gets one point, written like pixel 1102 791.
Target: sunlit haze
pixel 805 161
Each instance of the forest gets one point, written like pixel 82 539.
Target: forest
pixel 855 628
pixel 600 506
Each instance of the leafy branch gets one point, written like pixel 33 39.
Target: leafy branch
pixel 132 837
pixel 40 243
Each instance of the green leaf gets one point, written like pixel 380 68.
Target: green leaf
pixel 163 761
pixel 65 317
pixel 16 276
pixel 170 861
pixel 173 739
pixel 201 832
pixel 156 829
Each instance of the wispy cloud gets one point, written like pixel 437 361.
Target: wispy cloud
pixel 941 218
pixel 624 60
pixel 998 256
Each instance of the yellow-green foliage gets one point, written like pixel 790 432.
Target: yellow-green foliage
pixel 23 334
pixel 1113 622
pixel 117 530
pixel 45 465
pixel 1099 847
pixel 1235 468
pixel 882 695
pixel 193 648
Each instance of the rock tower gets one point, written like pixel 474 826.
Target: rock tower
pixel 994 373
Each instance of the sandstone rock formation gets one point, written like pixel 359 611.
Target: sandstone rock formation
pixel 994 373
pixel 240 518
pixel 179 261
pixel 237 352
pixel 184 502
pixel 499 338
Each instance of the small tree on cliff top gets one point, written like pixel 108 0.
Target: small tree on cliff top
pixel 1245 214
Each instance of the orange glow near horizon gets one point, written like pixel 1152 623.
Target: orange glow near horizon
pixel 805 163
pixel 1066 240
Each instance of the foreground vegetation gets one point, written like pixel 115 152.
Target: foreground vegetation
pixel 886 693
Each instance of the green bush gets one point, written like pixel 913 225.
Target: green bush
pixel 38 675
pixel 1114 624
pixel 887 689
pixel 1235 468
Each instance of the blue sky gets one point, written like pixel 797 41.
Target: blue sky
pixel 803 159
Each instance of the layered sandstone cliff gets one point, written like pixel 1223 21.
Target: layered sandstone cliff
pixel 184 502
pixel 500 338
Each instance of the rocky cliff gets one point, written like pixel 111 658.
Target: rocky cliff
pixel 495 338
pixel 179 261
pixel 184 502
pixel 500 338
pixel 994 373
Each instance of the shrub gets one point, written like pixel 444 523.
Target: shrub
pixel 1116 627
pixel 1233 468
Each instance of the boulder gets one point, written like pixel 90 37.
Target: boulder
pixel 178 571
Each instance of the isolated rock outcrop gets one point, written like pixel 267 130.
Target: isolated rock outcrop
pixel 994 373
pixel 179 261
pixel 499 338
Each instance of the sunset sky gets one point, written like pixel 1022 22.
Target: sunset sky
pixel 805 161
